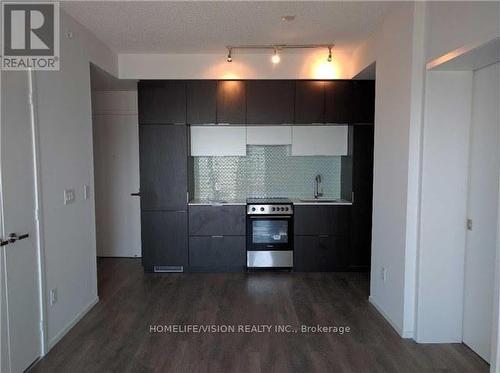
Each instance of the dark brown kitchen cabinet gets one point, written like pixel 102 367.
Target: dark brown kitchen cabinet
pixel 270 101
pixel 338 101
pixel 362 187
pixel 164 240
pixel 162 102
pixel 322 220
pixel 363 101
pixel 231 102
pixel 163 167
pixel 226 220
pixel 217 253
pixel 309 101
pixel 201 98
pixel 320 253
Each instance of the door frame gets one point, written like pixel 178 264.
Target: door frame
pixel 40 240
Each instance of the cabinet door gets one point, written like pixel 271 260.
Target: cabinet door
pixel 164 239
pixel 309 101
pixel 231 101
pixel 201 96
pixel 270 101
pixel 162 102
pixel 320 253
pixel 217 253
pixel 363 99
pixel 361 222
pixel 217 220
pixel 163 167
pixel 322 220
pixel 320 140
pixel 269 135
pixel 218 141
pixel 338 101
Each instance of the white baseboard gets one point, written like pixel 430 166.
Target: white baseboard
pixel 72 323
pixel 403 333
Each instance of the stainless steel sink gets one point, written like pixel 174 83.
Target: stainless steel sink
pixel 318 200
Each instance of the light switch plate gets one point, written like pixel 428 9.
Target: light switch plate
pixel 69 196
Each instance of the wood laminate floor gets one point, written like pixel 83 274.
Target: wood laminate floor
pixel 115 335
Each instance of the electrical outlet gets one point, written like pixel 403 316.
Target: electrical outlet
pixel 53 296
pixel 383 274
pixel 69 196
pixel 86 191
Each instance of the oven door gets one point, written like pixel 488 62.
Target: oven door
pixel 269 233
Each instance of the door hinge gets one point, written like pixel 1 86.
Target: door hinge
pixel 469 224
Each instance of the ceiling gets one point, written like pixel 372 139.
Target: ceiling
pixel 208 26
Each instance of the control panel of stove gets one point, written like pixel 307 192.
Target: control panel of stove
pixel 282 209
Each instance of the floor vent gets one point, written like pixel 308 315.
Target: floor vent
pixel 168 269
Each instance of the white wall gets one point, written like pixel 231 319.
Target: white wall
pixel 116 169
pixel 392 49
pixel 443 206
pixel 455 24
pixel 65 128
pixel 310 65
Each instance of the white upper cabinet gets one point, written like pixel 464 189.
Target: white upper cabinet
pixel 319 140
pixel 269 135
pixel 218 141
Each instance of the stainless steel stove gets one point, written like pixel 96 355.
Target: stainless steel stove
pixel 269 233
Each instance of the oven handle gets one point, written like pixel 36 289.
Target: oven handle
pixel 270 217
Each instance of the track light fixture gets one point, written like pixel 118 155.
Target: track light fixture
pixel 276 57
pixel 278 47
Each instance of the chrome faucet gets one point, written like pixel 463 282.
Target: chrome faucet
pixel 317 187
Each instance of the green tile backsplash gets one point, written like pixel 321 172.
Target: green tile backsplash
pixel 266 171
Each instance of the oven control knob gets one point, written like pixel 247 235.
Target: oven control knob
pixel 274 208
pixel 286 208
pixel 253 208
pixel 282 209
pixel 262 209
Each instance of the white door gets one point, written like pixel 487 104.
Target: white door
pixel 482 210
pixel 20 295
pixel 116 173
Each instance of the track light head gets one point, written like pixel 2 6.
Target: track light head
pixel 229 58
pixel 329 59
pixel 276 57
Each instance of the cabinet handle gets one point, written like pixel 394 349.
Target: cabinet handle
pixel 137 194
pixel 217 236
pixel 223 124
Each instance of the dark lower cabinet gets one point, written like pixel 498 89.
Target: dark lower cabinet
pixel 227 220
pixel 217 253
pixel 164 239
pixel 322 220
pixel 320 253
